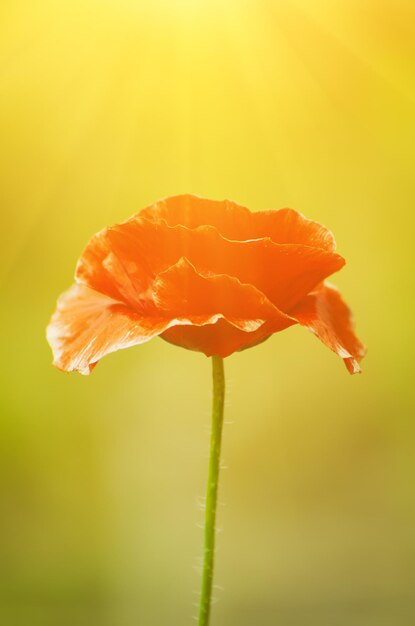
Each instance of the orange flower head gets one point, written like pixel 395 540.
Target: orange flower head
pixel 205 275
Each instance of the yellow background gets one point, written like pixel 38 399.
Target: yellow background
pixel 106 106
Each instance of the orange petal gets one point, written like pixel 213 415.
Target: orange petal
pixel 231 219
pixel 105 269
pixel 289 226
pixel 221 338
pixel 88 325
pixel 247 316
pixel 325 313
pixel 285 273
pixel 182 290
pixel 236 222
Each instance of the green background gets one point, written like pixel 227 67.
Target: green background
pixel 106 106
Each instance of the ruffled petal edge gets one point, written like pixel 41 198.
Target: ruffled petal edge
pixel 325 313
pixel 88 325
pixel 236 222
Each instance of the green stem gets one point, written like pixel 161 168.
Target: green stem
pixel 212 489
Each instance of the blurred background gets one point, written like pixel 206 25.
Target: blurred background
pixel 106 106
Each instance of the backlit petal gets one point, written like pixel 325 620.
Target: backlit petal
pixel 221 338
pixel 105 268
pixel 248 316
pixel 232 220
pixel 285 273
pixel 236 222
pixel 182 290
pixel 289 226
pixel 325 313
pixel 88 325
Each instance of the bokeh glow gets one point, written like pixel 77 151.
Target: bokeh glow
pixel 105 107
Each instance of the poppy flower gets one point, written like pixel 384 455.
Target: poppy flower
pixel 206 275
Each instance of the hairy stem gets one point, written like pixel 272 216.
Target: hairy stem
pixel 212 489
